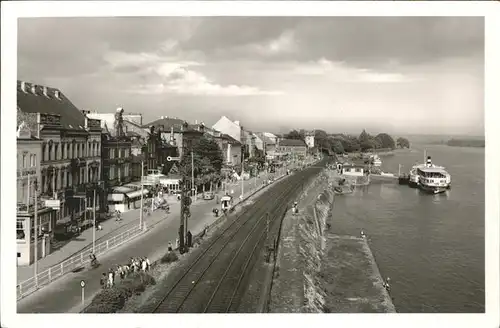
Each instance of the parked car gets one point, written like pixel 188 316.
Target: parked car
pixel 208 195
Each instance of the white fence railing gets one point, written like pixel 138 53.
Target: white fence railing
pixel 75 262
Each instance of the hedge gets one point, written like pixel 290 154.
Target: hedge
pixel 169 257
pixel 111 300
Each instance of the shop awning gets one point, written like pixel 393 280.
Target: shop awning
pixel 135 194
pixel 116 197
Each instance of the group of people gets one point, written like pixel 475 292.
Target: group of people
pixel 108 280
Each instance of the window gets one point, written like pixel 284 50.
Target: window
pixel 24 161
pixel 43 152
pixel 357 169
pixel 20 230
pixel 56 152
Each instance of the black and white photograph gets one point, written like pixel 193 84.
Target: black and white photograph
pixel 250 159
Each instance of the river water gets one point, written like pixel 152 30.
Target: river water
pixel 431 246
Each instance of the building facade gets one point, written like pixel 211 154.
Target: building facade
pixel 71 147
pixel 226 126
pixel 29 153
pixel 297 149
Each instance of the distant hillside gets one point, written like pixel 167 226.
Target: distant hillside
pixel 438 139
pixel 466 143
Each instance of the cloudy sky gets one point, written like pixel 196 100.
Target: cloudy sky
pixel 400 75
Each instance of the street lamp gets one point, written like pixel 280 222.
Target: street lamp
pixel 94 225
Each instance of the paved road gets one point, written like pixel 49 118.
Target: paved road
pixel 111 228
pixel 64 295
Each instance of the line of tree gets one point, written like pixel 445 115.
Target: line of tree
pixel 208 161
pixel 340 143
pixel 466 143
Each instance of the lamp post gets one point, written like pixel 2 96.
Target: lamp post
pixel 94 214
pixel 36 232
pixel 141 226
pixel 242 171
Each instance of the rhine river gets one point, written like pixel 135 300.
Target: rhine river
pixel 431 246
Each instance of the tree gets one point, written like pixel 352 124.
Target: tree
pixel 403 142
pixel 321 140
pixel 364 137
pixel 338 148
pixel 208 160
pixel 294 134
pixel 386 141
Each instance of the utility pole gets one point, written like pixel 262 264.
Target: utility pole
pixel 36 234
pixel 94 226
pixel 185 200
pixel 142 196
pixel 193 187
pixel 242 171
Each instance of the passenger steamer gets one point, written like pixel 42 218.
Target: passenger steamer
pixel 431 178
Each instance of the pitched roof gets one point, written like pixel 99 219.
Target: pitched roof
pixel 292 143
pixel 265 138
pixel 230 139
pixel 71 117
pixel 167 123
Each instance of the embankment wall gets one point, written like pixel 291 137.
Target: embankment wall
pixel 317 271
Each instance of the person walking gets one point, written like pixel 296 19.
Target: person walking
pixel 110 278
pixel 103 280
pixel 148 264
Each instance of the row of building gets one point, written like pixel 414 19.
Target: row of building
pixel 77 158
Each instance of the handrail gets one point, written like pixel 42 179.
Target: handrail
pixel 75 262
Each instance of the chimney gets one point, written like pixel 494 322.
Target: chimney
pixel 33 89
pixel 45 92
pixel 56 94
pixel 23 86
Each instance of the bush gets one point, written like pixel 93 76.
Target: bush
pixel 169 257
pixel 113 299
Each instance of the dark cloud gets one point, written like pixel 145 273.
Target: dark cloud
pixel 72 46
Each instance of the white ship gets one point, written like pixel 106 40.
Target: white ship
pixel 413 181
pixel 432 178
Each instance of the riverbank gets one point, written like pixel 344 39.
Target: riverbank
pixel 321 272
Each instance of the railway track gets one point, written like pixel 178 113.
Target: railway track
pixel 213 281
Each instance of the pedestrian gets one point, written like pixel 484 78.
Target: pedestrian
pixel 121 272
pixel 170 246
pixel 110 278
pixel 103 280
pixel 148 263
pixel 144 265
pixel 177 243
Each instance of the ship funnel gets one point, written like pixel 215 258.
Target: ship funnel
pixel 429 162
